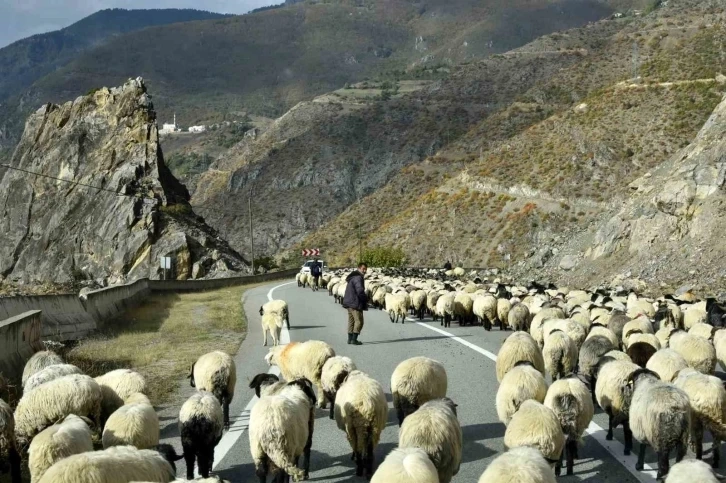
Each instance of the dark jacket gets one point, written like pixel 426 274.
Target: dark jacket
pixel 447 266
pixel 355 294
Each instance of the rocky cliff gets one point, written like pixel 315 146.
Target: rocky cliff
pixel 88 198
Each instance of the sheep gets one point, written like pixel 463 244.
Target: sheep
pixel 536 425
pixel 523 382
pixel 688 471
pixel 298 279
pixel 518 317
pixel 8 447
pixel 68 437
pixel 50 402
pixel 605 332
pixel 435 428
pixel 660 415
pixel 133 424
pixel 581 318
pixel 719 344
pixel 706 331
pixel 445 308
pixel 272 323
pixel 302 359
pixel 485 310
pixel 640 351
pixel 615 355
pixel 503 308
pixel 215 372
pixel 570 400
pixel 697 351
pixel 48 374
pixel 666 363
pixel 397 306
pixel 379 297
pixel 536 327
pixel 463 306
pixel 416 381
pixel 119 464
pixel 406 465
pixel 431 298
pixel 201 423
pixel 116 386
pixel 617 323
pixel 693 316
pixel 361 411
pixel 519 465
pixel 418 303
pixel 37 362
pixel 518 347
pixel 611 379
pixel 708 401
pixel 335 370
pixel 559 353
pixel 279 430
pixel 279 307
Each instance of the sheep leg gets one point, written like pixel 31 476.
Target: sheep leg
pixel 332 409
pixel 322 398
pixel 571 450
pixel 558 465
pixel 15 473
pixel 641 457
pixel 205 461
pixel 370 459
pixel 628 438
pixel 358 463
pixel 189 457
pixel 261 469
pixel 225 408
pixel 609 436
pixel 264 337
pixel 287 321
pixel 681 450
pixel 401 416
pixel 716 452
pixel 663 464
pixel 309 444
pixel 697 439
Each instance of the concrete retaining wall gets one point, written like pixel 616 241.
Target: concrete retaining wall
pixel 20 338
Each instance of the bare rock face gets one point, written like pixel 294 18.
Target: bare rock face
pixel 103 205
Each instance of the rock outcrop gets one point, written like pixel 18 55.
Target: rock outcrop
pixel 89 198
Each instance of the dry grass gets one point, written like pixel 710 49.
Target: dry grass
pixel 162 338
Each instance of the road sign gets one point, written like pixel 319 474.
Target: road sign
pixel 309 252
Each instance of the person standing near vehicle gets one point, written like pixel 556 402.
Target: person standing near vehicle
pixel 356 301
pixel 316 270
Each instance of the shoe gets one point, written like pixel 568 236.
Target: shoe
pixel 355 340
pixel 350 337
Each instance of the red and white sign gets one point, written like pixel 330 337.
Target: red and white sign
pixel 309 252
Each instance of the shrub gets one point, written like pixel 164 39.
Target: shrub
pixel 384 257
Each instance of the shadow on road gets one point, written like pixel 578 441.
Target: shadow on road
pixel 301 327
pixel 410 339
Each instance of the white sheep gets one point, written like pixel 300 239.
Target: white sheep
pixel 432 297
pixel 361 411
pixel 605 332
pixel 463 305
pixel 518 347
pixel 699 353
pixel 50 402
pixel 416 381
pixel 302 359
pixel 48 374
pixel 120 464
pixel 335 370
pixel 435 429
pixel 133 424
pixel 641 348
pixel 445 308
pixel 68 437
pixel 201 423
pixel 272 324
pixel 559 353
pixel 719 344
pixel 8 447
pixel 612 377
pixel 503 308
pixel 216 372
pixel 406 465
pixel 704 330
pixel 539 319
pixel 574 331
pixel 521 383
pixel 536 425
pixel 691 471
pixel 519 465
pixel 485 310
pixel 397 306
pixel 570 400
pixel 279 307
pixel 518 317
pixel 116 387
pixel 666 363
pixel 38 361
pixel 418 303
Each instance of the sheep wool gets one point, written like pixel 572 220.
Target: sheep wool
pixel 719 343
pixel 485 309
pixel 560 354
pixel 8 448
pixel 272 324
pixel 201 423
pixel 279 307
pixel 39 361
pixel 703 330
pixel 48 374
pixel 596 330
pixel 135 424
pixel 335 370
pixel 523 382
pixel 124 382
pixel 698 352
pixel 518 347
pixel 535 425
pixel 518 317
pixel 435 429
pixel 519 465
pixel 406 465
pixel 666 363
pixel 216 372
pixel 69 437
pixel 503 308
pixel 690 471
pixel 119 464
pixel 611 379
pixel 416 381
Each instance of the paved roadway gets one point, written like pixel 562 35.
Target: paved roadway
pixel 468 353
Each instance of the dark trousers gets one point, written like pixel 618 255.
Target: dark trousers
pixel 355 321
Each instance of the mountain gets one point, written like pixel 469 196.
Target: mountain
pixel 88 199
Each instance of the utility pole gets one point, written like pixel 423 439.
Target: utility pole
pixel 252 240
pixel 636 61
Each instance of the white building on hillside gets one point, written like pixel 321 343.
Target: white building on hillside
pixel 197 129
pixel 169 128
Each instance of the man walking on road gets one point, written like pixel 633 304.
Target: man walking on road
pixel 316 270
pixel 356 301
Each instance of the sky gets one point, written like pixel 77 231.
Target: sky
pixel 23 18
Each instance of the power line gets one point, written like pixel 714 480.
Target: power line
pixel 77 183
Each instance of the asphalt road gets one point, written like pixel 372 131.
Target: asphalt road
pixel 468 353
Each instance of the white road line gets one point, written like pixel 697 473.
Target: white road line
pixel 242 422
pixel 614 447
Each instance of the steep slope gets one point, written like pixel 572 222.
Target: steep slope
pixel 89 198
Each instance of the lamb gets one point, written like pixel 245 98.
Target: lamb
pixel 521 383
pixel 279 430
pixel 559 353
pixel 485 310
pixel 119 464
pixel 518 347
pixel 688 471
pixel 708 401
pixel 216 372
pixel 519 465
pixel 660 415
pixel 666 363
pixel 8 447
pixel 68 437
pixel 416 381
pixel 518 317
pixel 435 429
pixel 279 307
pixel 570 400
pixel 133 424
pixel 335 370
pixel 272 323
pixel 50 402
pixel 48 374
pixel 201 423
pixel 697 351
pixel 536 425
pixel 361 410
pixel 39 361
pixel 406 465
pixel 302 359
pixel 611 379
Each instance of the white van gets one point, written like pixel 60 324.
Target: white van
pixel 306 267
